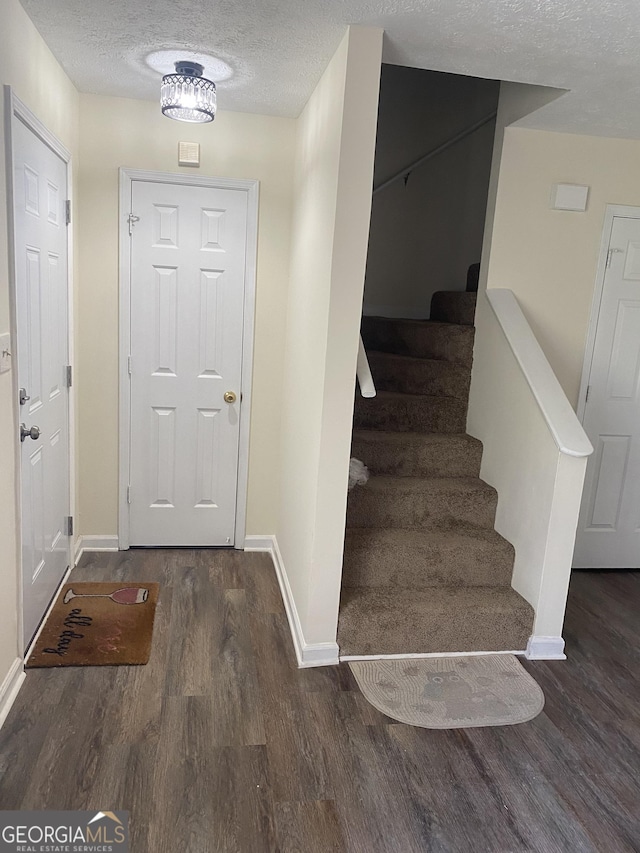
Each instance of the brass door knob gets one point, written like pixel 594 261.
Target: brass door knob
pixel 230 397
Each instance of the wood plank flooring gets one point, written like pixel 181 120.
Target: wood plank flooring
pixel 221 744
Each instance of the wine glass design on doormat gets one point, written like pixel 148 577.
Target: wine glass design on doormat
pixel 126 595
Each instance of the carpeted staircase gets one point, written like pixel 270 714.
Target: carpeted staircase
pixel 424 569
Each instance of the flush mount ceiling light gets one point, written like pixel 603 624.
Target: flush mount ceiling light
pixel 187 95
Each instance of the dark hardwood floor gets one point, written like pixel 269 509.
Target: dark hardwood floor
pixel 221 744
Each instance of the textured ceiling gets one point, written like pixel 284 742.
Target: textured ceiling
pixel 279 48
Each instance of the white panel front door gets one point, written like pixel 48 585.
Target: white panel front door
pixel 187 296
pixel 40 181
pixel 609 527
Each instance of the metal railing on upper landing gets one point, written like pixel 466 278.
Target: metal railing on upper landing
pixel 365 379
pixel 439 149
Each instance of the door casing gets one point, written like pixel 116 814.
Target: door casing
pixel 251 188
pixel 611 212
pixel 15 109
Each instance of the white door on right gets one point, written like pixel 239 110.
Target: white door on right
pixel 608 533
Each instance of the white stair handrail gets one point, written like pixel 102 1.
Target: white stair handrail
pixel 556 409
pixel 363 372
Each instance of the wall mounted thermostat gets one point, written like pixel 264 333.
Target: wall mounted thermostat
pixel 188 153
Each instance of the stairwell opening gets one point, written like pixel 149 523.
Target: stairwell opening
pixel 424 570
pixel 427 225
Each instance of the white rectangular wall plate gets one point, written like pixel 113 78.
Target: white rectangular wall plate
pixel 569 197
pixel 188 153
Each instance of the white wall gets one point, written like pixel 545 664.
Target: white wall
pixel 425 235
pixel 28 66
pixel 332 200
pixel 119 132
pixel 539 487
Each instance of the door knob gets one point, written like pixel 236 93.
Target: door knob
pixel 33 433
pixel 230 396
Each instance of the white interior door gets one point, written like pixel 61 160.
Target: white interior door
pixel 188 249
pixel 609 527
pixel 39 185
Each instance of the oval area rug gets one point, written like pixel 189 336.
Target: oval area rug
pixel 451 693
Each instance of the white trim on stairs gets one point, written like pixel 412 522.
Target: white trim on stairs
pixel 307 654
pixel 10 687
pixel 426 655
pixel 545 648
pixel 94 543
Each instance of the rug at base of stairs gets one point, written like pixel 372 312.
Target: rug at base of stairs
pixel 98 624
pixel 451 693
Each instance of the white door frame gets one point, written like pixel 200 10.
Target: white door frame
pixel 251 188
pixel 15 108
pixel 612 210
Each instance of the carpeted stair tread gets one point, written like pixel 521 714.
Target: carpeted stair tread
pixel 409 621
pixel 458 556
pixel 416 454
pixel 424 571
pixel 423 502
pixel 449 306
pixel 419 338
pixel 410 375
pixel 390 410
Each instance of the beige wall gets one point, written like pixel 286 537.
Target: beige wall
pixel 332 192
pixel 425 234
pixel 549 257
pixel 27 65
pixel 117 132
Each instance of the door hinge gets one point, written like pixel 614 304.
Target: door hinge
pixel 69 525
pixel 129 494
pixel 132 219
pixel 129 364
pixel 68 375
pixel 587 397
pixel 67 211
pixel 611 252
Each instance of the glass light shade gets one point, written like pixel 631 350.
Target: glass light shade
pixel 187 96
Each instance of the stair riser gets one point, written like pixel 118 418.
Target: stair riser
pixel 453 343
pixel 435 414
pixel 428 377
pixel 406 509
pixel 414 460
pixel 447 307
pixel 442 565
pixel 487 631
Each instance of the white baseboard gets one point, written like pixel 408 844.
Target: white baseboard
pixel 545 648
pixel 259 543
pixel 308 654
pixel 94 543
pixel 10 687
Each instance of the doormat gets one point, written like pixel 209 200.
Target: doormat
pixel 98 624
pixel 451 693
